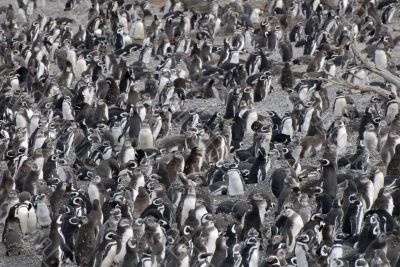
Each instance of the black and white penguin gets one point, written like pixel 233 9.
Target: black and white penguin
pixel 389 147
pixel 371 138
pixel 107 250
pixel 391 108
pixel 287 78
pixel 263 87
pixel 292 227
pixel 52 254
pixel 42 211
pixel 388 13
pixel 26 214
pixel 339 136
pixel 381 57
pixel 329 183
pixel 353 217
pixel 86 240
pixel 393 167
pixel 260 168
pixel 339 104
pixel 12 234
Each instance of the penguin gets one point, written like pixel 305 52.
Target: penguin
pixel 235 183
pixel 318 62
pixel 11 200
pixel 388 13
pixel 329 183
pixel 233 257
pixel 220 251
pixel 310 145
pixel 263 87
pixel 12 234
pixel 359 161
pixel 42 211
pixel 353 217
pixel 131 256
pixel 287 78
pixel 188 203
pixel 52 253
pixel 145 137
pixel 260 168
pixel 339 137
pixel 292 227
pixel 384 199
pixel 391 109
pixel 194 162
pixel 26 218
pixel 107 250
pixel 393 166
pixel 57 197
pixel 286 127
pixel 97 190
pixel 365 189
pixel 250 252
pixel 85 245
pixel 339 104
pixel 389 146
pixel 381 56
pixel 371 138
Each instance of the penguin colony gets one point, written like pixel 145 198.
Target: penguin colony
pixel 105 161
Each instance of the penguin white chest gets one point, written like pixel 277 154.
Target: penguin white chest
pixel 43 214
pixel 200 212
pixel 296 228
pixel 390 205
pixel 336 252
pixel 341 141
pixel 138 30
pixel 380 59
pixel 211 240
pixel 235 183
pixel 23 216
pixel 301 254
pixel 307 119
pixel 369 195
pixel 125 237
pixel 67 111
pixel 340 104
pixel 80 67
pixel 235 57
pixel 129 154
pixel 379 181
pixel 255 17
pixel 252 116
pixel 188 204
pixel 360 77
pixel 93 192
pixel 370 140
pixel 145 139
pixel 20 121
pixel 287 127
pixel 109 259
pixel 391 112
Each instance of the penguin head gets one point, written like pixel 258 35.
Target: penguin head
pixel 273 260
pixel 361 263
